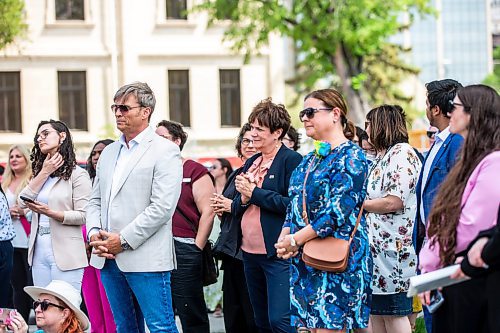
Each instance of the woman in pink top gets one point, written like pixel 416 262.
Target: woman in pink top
pixel 466 203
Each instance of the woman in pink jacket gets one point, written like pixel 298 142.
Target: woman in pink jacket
pixel 467 203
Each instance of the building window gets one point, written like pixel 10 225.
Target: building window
pixel 70 10
pixel 230 106
pixel 10 102
pixel 178 96
pixel 72 87
pixel 176 10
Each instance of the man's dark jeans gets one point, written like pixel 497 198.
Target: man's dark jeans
pixel 187 289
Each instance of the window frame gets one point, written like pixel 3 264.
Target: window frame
pixel 18 121
pixel 175 97
pixel 73 118
pixel 233 115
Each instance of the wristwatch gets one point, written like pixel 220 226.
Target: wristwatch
pixel 292 241
pixel 124 244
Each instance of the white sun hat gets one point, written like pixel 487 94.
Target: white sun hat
pixel 66 293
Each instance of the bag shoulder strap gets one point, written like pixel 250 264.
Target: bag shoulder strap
pixel 304 207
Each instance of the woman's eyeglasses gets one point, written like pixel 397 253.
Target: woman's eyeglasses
pixel 309 112
pixel 246 142
pixel 123 108
pixel 44 305
pixel 43 135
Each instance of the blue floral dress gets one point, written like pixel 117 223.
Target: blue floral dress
pixel 335 191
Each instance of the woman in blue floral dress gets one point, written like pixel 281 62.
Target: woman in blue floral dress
pixel 324 301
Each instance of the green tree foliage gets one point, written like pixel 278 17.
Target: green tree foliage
pixel 12 22
pixel 345 42
pixel 493 79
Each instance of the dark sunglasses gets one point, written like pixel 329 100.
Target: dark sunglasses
pixel 123 108
pixel 44 305
pixel 431 134
pixel 309 112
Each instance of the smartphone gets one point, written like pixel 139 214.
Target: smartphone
pixel 26 199
pixel 5 315
pixel 437 300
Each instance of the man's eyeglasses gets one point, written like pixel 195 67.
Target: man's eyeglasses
pixel 123 108
pixel 43 135
pixel 431 134
pixel 44 305
pixel 246 142
pixel 309 112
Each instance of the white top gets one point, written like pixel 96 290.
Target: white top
pixel 431 155
pixel 124 157
pixel 394 259
pixel 21 239
pixel 43 196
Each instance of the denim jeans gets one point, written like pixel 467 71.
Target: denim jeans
pixel 268 281
pixel 135 296
pixel 187 289
pixel 6 262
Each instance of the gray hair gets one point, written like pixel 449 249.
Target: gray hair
pixel 141 91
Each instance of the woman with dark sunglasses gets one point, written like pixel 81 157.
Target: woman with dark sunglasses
pixel 57 195
pixel 328 186
pixel 57 310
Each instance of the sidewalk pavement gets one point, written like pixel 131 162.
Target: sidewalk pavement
pixel 216 324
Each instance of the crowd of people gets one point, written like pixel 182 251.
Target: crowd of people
pixel 132 232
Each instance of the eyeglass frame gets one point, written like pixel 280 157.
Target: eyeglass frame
pixel 245 142
pixel 116 107
pixel 44 134
pixel 44 305
pixel 310 112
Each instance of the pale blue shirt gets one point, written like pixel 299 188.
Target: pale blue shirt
pixel 431 155
pixel 124 156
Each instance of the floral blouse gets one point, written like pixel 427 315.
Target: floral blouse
pixel 394 259
pixel 6 229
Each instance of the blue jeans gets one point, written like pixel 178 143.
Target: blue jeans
pixel 268 281
pixel 135 296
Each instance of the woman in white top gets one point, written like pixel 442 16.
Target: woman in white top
pixel 60 190
pixel 391 206
pixel 16 177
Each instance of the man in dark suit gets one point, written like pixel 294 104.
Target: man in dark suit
pixel 440 158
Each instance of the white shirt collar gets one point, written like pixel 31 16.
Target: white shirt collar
pixel 443 135
pixel 137 140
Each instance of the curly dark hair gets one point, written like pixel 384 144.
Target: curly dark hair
pixel 482 103
pixel 90 167
pixel 176 131
pixel 245 128
pixel 295 137
pixel 66 149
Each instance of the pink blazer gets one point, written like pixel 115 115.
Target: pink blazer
pixel 479 210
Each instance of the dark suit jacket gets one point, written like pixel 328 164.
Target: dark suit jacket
pixel 272 198
pixel 442 164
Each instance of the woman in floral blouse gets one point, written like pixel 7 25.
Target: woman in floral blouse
pixel 326 301
pixel 391 207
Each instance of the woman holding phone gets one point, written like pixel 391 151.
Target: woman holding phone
pixel 57 195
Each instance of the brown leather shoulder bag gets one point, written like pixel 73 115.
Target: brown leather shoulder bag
pixel 328 254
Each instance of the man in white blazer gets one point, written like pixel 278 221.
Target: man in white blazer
pixel 129 217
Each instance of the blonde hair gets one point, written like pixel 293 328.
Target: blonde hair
pixel 8 175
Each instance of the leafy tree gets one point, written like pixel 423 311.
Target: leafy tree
pixel 493 79
pixel 12 22
pixel 345 42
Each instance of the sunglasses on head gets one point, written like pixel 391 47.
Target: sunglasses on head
pixel 431 134
pixel 44 305
pixel 123 108
pixel 309 112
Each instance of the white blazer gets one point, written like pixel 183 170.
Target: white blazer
pixel 142 204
